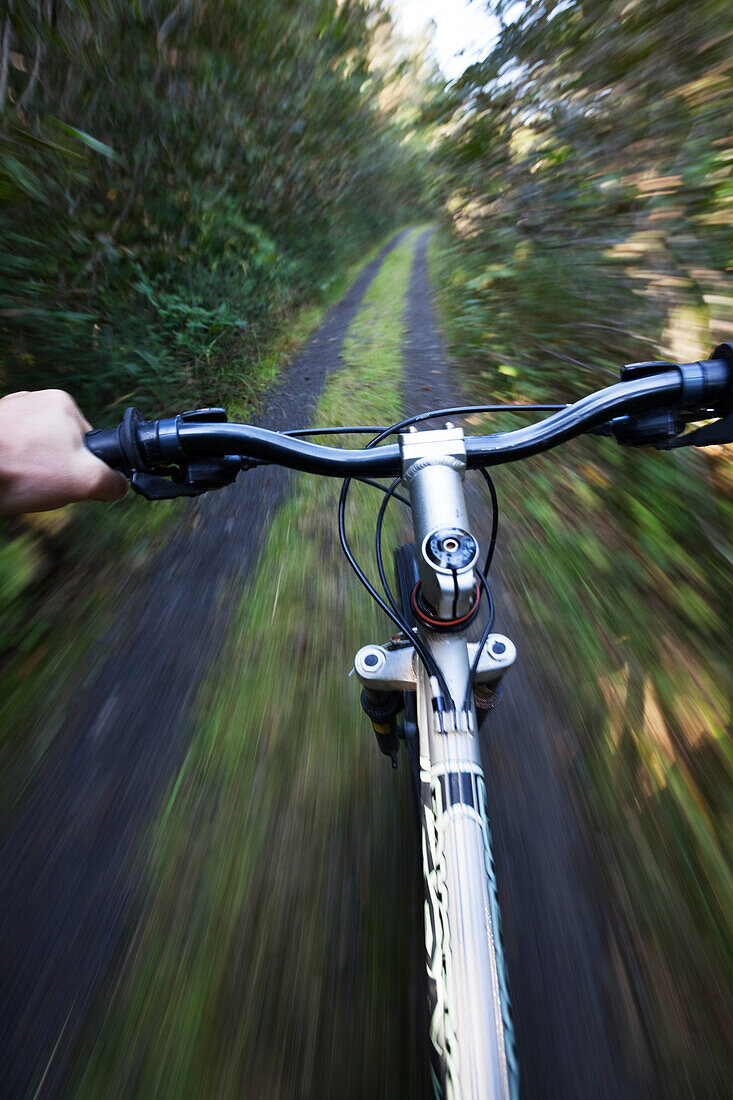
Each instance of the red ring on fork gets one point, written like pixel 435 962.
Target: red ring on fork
pixel 442 624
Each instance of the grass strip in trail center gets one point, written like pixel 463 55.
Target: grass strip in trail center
pixel 275 953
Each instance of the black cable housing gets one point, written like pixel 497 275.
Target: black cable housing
pixel 494 520
pixel 436 414
pixel 425 655
pixel 378 544
pixel 482 642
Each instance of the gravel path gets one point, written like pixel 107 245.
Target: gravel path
pixel 566 994
pixel 71 861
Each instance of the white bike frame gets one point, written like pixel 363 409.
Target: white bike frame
pixel 470 1028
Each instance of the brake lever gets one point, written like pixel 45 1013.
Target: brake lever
pixel 153 487
pixel 709 435
pixel 664 428
pixel 193 479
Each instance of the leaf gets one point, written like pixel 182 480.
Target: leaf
pixel 87 139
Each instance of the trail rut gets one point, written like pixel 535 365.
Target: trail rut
pixel 70 862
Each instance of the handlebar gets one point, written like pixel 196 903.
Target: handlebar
pixel 201 450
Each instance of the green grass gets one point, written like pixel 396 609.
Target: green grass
pixel 274 956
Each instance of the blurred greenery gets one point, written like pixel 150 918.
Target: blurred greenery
pixel 174 176
pixel 585 169
pixel 62 574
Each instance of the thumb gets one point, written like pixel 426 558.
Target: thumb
pixel 102 482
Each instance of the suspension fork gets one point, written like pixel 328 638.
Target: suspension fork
pixel 472 1049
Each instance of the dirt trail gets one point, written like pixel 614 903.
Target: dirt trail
pixel 70 862
pixel 566 994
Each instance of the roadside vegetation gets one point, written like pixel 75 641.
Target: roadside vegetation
pixel 586 173
pixel 174 177
pixel 283 837
pixel 184 189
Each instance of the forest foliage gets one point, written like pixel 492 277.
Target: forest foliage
pixel 173 176
pixel 585 169
pixel 589 156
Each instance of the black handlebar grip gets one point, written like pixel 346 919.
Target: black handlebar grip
pixel 724 352
pixel 105 444
pixel 119 447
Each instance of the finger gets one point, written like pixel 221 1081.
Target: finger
pixel 112 486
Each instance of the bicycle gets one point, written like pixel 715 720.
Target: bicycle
pixel 428 671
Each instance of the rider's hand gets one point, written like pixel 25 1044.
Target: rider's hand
pixel 43 460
